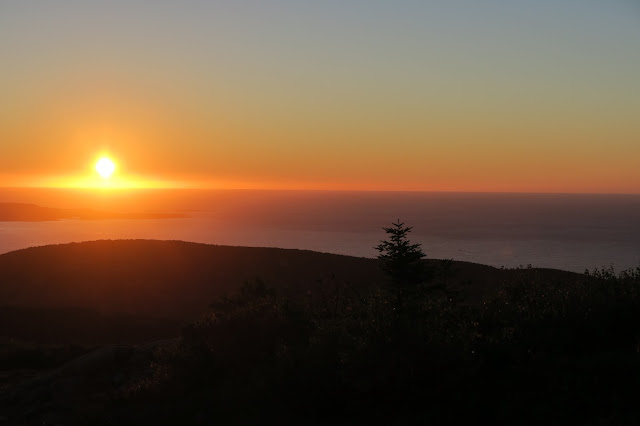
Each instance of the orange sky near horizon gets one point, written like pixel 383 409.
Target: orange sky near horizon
pixel 498 99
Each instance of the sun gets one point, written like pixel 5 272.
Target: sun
pixel 105 167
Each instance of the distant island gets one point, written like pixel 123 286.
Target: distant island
pixel 24 212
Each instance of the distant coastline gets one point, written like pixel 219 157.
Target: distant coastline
pixel 25 212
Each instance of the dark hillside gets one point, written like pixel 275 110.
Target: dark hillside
pixel 161 278
pixel 180 279
pixel 121 291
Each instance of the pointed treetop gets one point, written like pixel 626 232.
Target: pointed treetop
pixel 401 259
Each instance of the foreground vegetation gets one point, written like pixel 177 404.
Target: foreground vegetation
pixel 541 347
pixel 536 352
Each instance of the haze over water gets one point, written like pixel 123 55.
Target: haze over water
pixel 571 232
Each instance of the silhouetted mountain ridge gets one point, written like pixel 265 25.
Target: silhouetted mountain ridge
pixel 176 281
pixel 161 278
pixel 178 278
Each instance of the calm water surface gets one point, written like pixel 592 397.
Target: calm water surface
pixel 570 232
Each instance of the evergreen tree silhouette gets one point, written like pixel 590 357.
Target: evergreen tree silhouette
pixel 401 259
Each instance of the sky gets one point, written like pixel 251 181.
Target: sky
pixel 444 95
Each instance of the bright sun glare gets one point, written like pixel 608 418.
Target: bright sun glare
pixel 105 167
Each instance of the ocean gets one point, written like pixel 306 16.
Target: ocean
pixel 563 231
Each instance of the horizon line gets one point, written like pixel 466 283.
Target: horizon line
pixel 118 189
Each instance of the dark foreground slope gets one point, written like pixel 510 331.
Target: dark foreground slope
pixel 544 347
